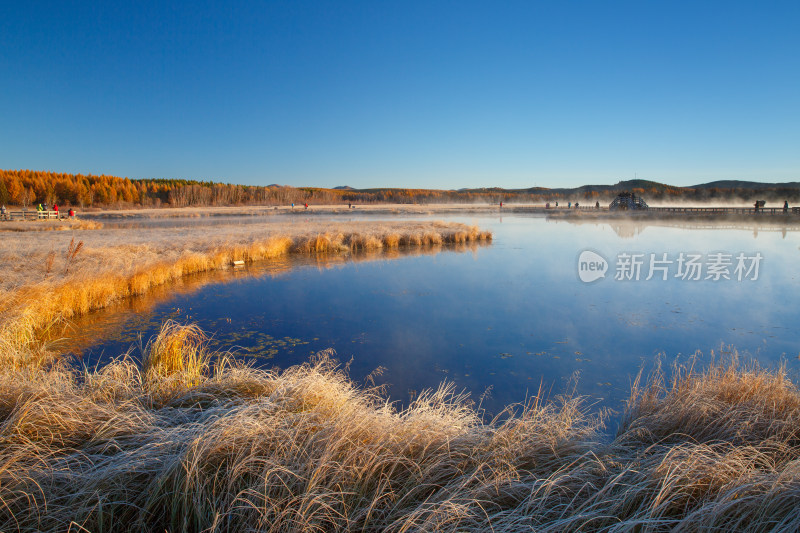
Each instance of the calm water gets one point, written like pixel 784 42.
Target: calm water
pixel 509 317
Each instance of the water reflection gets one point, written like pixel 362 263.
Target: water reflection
pixel 130 322
pixel 510 317
pixel 628 229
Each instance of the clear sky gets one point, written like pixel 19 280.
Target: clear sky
pixel 427 94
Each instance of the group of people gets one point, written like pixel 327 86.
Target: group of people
pixel 40 208
pixel 759 204
pixel 43 207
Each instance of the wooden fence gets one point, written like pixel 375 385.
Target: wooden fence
pixel 26 214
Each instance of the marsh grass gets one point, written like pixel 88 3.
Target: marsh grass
pixel 103 267
pixel 176 352
pixel 72 251
pixel 194 441
pixel 49 225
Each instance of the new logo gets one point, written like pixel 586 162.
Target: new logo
pixel 591 266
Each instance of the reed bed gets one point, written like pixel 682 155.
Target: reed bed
pixel 50 277
pixel 189 440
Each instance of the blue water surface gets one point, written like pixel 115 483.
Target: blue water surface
pixel 505 320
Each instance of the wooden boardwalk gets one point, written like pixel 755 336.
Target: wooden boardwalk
pixel 28 214
pixel 726 210
pixel 792 211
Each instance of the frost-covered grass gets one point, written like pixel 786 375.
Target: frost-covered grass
pixel 193 441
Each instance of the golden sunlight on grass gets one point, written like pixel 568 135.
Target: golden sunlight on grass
pixel 192 441
pixel 177 351
pixel 50 278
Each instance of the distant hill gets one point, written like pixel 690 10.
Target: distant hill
pixel 343 188
pixel 619 186
pixel 718 191
pixel 754 185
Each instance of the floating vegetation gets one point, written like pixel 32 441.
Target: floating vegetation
pixel 361 338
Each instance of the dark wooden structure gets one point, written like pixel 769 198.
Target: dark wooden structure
pixel 627 201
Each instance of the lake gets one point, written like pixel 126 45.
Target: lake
pixel 502 320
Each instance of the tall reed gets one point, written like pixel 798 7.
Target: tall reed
pixel 192 441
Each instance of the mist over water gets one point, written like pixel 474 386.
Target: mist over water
pixel 508 318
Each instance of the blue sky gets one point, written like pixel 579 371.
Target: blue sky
pixel 403 94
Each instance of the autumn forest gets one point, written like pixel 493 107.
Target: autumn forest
pixel 27 188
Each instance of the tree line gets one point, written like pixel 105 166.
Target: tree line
pixel 26 188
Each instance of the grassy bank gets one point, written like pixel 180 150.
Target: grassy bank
pixel 192 441
pixel 53 276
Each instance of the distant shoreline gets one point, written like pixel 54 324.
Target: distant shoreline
pixel 97 218
pixel 401 209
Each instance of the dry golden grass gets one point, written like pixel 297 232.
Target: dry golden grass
pixel 127 250
pixel 192 441
pixel 49 225
pixel 53 277
pixel 176 352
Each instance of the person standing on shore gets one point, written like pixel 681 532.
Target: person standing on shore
pixel 786 206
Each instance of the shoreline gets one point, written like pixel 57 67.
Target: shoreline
pixel 60 275
pixel 97 219
pixel 166 212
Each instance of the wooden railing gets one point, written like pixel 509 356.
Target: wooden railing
pixel 32 214
pixel 728 210
pixel 691 210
